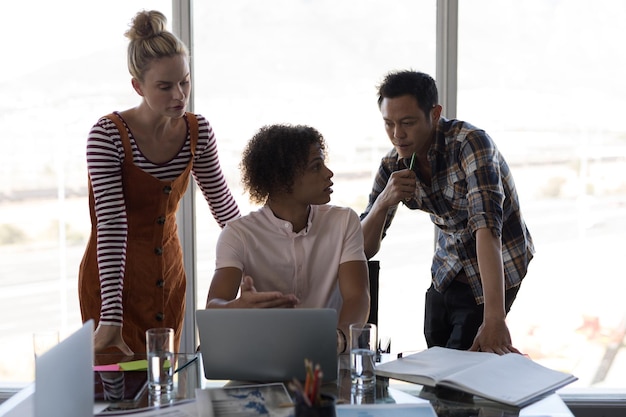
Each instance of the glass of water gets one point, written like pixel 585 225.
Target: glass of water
pixel 363 342
pixel 160 352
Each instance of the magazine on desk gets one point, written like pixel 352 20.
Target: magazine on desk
pixel 245 400
pixel 511 379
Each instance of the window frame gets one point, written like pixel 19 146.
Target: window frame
pixel 183 28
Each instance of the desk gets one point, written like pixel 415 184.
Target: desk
pixel 446 404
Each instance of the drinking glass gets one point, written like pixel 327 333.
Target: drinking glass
pixel 363 342
pixel 160 352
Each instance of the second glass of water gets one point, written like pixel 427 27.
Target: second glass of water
pixel 363 343
pixel 160 352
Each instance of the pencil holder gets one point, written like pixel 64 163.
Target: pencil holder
pixel 325 408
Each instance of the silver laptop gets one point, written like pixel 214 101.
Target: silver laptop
pixel 267 345
pixel 64 377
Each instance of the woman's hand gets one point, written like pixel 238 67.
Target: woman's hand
pixel 107 336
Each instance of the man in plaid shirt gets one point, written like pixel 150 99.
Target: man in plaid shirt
pixel 453 171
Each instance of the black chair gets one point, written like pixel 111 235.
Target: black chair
pixel 374 269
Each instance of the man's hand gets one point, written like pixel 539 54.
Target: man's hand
pixel 250 298
pixel 401 186
pixel 493 336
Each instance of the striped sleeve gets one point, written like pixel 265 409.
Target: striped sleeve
pixel 209 177
pixel 104 165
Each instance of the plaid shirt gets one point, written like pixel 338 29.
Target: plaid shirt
pixel 471 188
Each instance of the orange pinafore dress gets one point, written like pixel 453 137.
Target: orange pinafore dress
pixel 154 278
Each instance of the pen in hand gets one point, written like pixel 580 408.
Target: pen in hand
pixel 411 169
pixel 412 161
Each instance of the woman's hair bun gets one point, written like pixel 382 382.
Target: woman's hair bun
pixel 147 24
pixel 150 40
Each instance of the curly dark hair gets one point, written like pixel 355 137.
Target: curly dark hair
pixel 274 156
pixel 417 84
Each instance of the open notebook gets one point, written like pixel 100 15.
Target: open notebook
pixel 267 345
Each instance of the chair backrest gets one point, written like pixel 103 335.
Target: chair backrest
pixel 374 269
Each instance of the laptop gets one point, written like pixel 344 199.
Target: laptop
pixel 64 377
pixel 267 345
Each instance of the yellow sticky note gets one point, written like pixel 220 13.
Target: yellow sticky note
pixel 139 365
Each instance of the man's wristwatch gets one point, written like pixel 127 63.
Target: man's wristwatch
pixel 342 342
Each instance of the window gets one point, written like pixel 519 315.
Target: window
pixel 61 71
pixel 316 63
pixel 543 78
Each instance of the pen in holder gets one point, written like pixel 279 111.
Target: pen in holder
pixel 310 401
pixel 324 408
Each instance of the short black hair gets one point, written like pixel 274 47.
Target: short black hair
pixel 407 82
pixel 274 156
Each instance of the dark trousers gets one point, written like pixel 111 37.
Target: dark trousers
pixel 452 318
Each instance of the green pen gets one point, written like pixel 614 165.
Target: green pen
pixel 411 168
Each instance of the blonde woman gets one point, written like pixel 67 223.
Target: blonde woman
pixel 139 162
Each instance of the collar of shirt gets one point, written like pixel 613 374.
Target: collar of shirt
pixel 285 226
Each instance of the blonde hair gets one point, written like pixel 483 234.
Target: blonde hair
pixel 150 40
